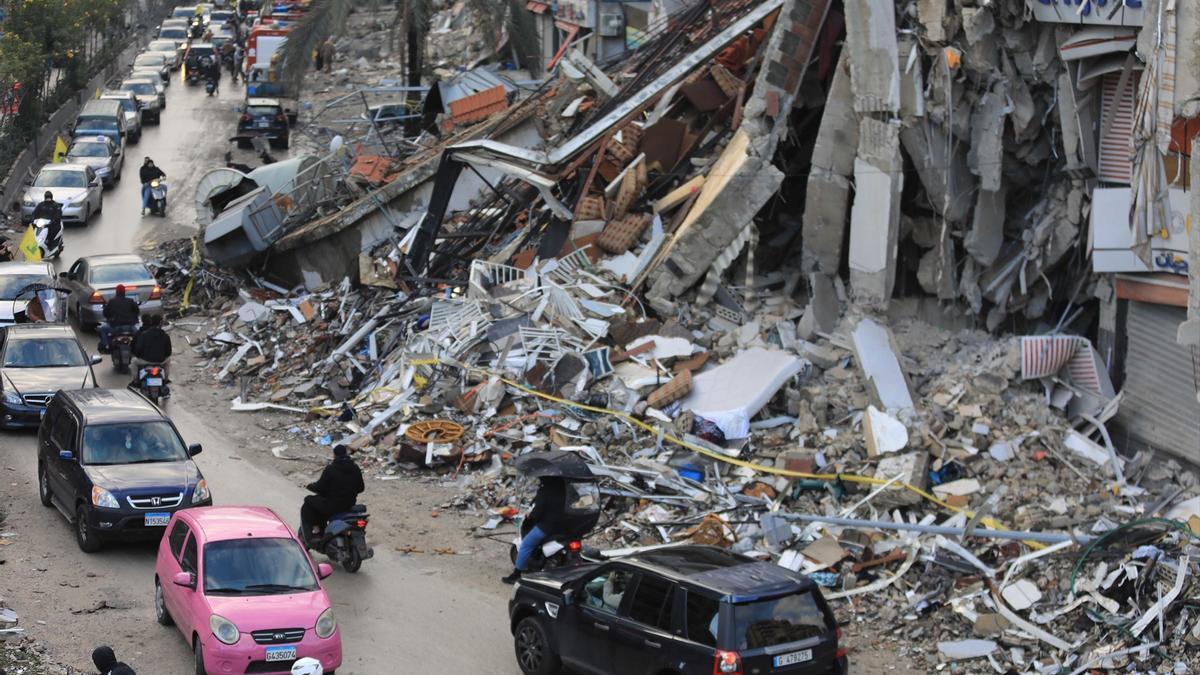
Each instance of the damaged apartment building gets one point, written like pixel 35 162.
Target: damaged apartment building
pixel 1016 165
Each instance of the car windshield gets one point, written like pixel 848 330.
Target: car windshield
pixel 43 353
pixel 263 566
pixel 122 272
pixel 96 124
pixel 132 443
pixel 767 623
pixel 173 33
pixel 88 150
pixel 126 104
pixel 151 60
pixel 262 111
pixel 11 285
pixel 184 12
pixel 140 88
pixel 61 179
pixel 162 46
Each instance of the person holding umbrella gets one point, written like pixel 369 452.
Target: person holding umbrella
pixel 566 504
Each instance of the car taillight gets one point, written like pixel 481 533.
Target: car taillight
pixel 245 117
pixel 362 524
pixel 156 294
pixel 96 298
pixel 841 651
pixel 574 546
pixel 727 663
pixel 280 117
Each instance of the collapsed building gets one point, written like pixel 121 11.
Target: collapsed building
pixel 767 263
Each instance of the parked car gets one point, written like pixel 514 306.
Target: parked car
pixel 100 153
pixel 169 49
pixel 681 609
pixel 147 95
pixel 15 280
pixel 100 117
pixel 152 61
pixel 132 110
pixel 37 360
pixel 75 186
pixel 263 117
pixel 243 592
pixel 115 466
pixel 92 281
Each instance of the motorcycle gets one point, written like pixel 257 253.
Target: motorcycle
pixel 554 553
pixel 210 86
pixel 50 247
pixel 158 197
pixel 582 506
pixel 120 345
pixel 344 540
pixel 152 383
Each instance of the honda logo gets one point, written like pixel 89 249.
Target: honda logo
pixel 155 501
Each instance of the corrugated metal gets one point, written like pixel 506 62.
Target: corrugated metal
pixel 1116 147
pixel 1160 407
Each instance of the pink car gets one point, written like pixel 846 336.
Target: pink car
pixel 244 592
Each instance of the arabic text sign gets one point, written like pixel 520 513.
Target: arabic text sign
pixel 1089 12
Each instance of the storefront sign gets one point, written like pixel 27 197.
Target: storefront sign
pixel 1088 12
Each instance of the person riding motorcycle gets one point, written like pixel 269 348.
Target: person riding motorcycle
pixel 106 661
pixel 52 211
pixel 557 513
pixel 152 345
pixel 119 311
pixel 146 174
pixel 211 70
pixel 336 491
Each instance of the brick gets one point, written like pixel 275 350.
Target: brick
pixel 672 391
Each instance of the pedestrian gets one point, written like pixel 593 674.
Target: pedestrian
pixel 238 55
pixel 106 661
pixel 326 54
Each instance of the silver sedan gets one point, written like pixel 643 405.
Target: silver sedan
pixel 75 186
pixel 100 153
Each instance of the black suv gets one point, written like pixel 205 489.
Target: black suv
pixel 263 117
pixel 682 609
pixel 115 466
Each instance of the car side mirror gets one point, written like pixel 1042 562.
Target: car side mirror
pixel 66 455
pixel 96 359
pixel 194 449
pixel 324 570
pixel 96 182
pixel 64 275
pixel 569 597
pixel 185 579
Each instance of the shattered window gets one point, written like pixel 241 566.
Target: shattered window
pixel 606 591
pixel 778 621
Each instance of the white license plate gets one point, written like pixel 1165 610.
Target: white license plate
pixel 153 381
pixel 262 124
pixel 793 658
pixel 281 653
pixel 157 519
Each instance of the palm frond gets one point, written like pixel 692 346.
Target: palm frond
pixel 324 18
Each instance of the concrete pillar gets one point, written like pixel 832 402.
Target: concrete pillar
pixel 828 194
pixel 874 55
pixel 875 217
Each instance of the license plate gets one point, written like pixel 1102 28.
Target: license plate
pixel 793 658
pixel 157 519
pixel 262 124
pixel 153 381
pixel 281 653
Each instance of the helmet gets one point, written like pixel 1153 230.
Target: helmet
pixel 48 195
pixel 307 666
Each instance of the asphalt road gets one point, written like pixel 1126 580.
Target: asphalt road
pixel 397 615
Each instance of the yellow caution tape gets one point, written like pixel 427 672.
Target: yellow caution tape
pixel 187 290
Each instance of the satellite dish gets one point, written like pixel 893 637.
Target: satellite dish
pixel 213 183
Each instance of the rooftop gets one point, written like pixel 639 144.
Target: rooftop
pixel 232 522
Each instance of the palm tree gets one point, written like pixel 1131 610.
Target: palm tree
pixel 327 17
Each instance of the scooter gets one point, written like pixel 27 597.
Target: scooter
pixel 120 345
pixel 158 197
pixel 344 540
pixel 50 247
pixel 152 382
pixel 210 86
pixel 554 553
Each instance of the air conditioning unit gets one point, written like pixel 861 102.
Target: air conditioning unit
pixel 612 25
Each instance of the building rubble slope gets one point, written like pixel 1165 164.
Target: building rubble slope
pixel 620 293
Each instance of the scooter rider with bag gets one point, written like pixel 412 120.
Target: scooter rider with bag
pixel 146 174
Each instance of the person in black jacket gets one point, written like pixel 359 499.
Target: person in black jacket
pixel 548 518
pixel 336 491
pixel 147 173
pixel 152 345
pixel 106 661
pixel 119 311
pixel 52 211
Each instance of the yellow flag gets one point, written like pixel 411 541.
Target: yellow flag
pixel 60 149
pixel 29 246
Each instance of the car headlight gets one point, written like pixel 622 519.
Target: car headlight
pixel 13 398
pixel 102 171
pixel 223 629
pixel 103 498
pixel 201 492
pixel 326 624
pixel 78 200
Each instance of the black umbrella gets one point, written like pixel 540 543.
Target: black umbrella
pixel 554 463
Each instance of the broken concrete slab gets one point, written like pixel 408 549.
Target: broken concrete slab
pixel 874 55
pixel 875 216
pixel 912 468
pixel 987 136
pixel 824 307
pixel 986 236
pixel 949 187
pixel 873 347
pixel 727 397
pixel 884 433
pixel 937 271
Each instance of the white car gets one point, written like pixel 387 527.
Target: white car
pixel 76 186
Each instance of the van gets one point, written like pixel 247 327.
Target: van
pixel 101 117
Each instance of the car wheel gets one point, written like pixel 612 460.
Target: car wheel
pixel 535 656
pixel 198 653
pixel 160 606
pixel 44 485
pixel 84 535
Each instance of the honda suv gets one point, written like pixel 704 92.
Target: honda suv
pixel 681 609
pixel 115 466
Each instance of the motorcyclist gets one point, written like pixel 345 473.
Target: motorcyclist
pixel 550 518
pixel 335 491
pixel 146 174
pixel 52 211
pixel 107 663
pixel 119 311
pixel 152 345
pixel 212 72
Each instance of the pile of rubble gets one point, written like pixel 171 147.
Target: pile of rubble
pixel 621 291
